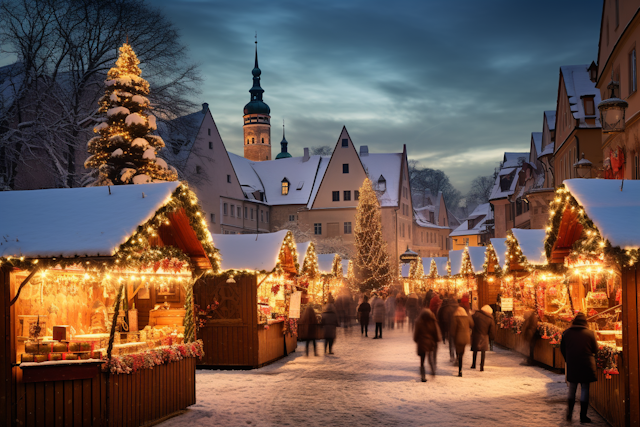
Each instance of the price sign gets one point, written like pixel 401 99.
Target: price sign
pixel 294 305
pixel 507 304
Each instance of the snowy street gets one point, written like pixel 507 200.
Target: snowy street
pixel 376 382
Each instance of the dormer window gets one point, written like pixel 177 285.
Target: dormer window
pixel 382 184
pixel 285 187
pixel 589 106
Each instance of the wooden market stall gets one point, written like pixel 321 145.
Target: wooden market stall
pixel 436 272
pixel 595 235
pixel 77 269
pixel 333 271
pixel 464 274
pixel 489 281
pixel 244 313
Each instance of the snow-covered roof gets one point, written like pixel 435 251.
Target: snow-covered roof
pixel 531 244
pixel 550 116
pixel 325 263
pixel 180 134
pixel 500 248
pixel 322 168
pixel 252 252
pixel 614 212
pixel 301 176
pixel 549 149
pixel 388 165
pixel 301 248
pixel 578 84
pixel 441 265
pixel 247 177
pixel 536 137
pixel 512 160
pixel 496 191
pixel 481 210
pixel 455 258
pixel 345 267
pixel 69 222
pixel 477 254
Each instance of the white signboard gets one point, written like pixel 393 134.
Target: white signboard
pixel 507 304
pixel 294 305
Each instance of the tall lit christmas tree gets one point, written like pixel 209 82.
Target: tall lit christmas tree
pixel 125 152
pixel 372 266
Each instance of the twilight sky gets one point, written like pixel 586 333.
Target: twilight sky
pixel 459 82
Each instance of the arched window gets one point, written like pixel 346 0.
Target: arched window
pixel 247 140
pixel 253 140
pixel 263 140
pixel 285 186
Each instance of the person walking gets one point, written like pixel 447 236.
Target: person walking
pixel 307 328
pixel 363 316
pixel 390 308
pixel 484 330
pixel 413 309
pixel 378 316
pixel 329 323
pixel 426 334
pixel 434 304
pixel 401 310
pixel 427 298
pixel 445 319
pixel 579 348
pixel 460 328
pixel 530 333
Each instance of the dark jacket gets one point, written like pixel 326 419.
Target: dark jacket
pixel 426 333
pixel 307 326
pixel 363 312
pixel 579 347
pixel 484 329
pixel 461 325
pixel 329 321
pixel 413 307
pixel 445 314
pixel 378 311
pixel 530 326
pixel 434 304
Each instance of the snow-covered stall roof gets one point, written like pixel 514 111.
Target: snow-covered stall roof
pixel 301 248
pixel 247 177
pixel 477 254
pixel 455 258
pixel 500 248
pixel 483 210
pixel 252 252
pixel 441 265
pixel 69 222
pixel 388 165
pixel 531 244
pixel 405 269
pixel 301 176
pixel 614 212
pixel 325 263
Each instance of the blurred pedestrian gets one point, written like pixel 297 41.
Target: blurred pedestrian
pixel 530 333
pixel 434 304
pixel 427 298
pixel 307 328
pixel 460 330
pixel 343 307
pixel 390 308
pixel 329 323
pixel 413 309
pixel 378 316
pixel 464 302
pixel 484 330
pixel 363 316
pixel 579 348
pixel 401 310
pixel 426 334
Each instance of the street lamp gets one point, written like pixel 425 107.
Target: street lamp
pixel 612 110
pixel 583 167
pixel 409 256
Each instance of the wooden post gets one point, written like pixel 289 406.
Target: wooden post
pixel 630 345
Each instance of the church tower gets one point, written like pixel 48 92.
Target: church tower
pixel 257 121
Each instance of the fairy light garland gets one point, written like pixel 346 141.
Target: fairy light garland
pixel 336 267
pixel 310 266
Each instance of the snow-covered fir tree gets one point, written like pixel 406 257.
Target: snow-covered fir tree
pixel 125 151
pixel 372 265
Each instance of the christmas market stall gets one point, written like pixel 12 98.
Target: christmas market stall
pixel 436 270
pixel 462 282
pixel 594 234
pixel 247 315
pixel 489 290
pixel 333 274
pixel 96 303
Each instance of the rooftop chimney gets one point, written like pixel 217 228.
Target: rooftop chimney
pixel 305 158
pixel 205 107
pixel 364 150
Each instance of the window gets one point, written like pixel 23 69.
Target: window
pixel 347 227
pixel 251 214
pixel 198 169
pixel 356 195
pixel 209 131
pixel 317 228
pixel 347 195
pixel 225 209
pixel 210 145
pixel 267 216
pixel 292 218
pixel 285 187
pixel 263 140
pixel 239 212
pixel 336 196
pixel 213 218
pixel 466 241
pixel 345 168
pixel 589 107
pixel 247 140
pixel 633 77
pixel 253 140
pixel 229 178
pixel 261 215
pixel 345 142
pixel 246 216
pixel 233 210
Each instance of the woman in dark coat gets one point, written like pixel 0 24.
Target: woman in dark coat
pixel 484 330
pixel 460 328
pixel 427 335
pixel 329 323
pixel 530 333
pixel 363 316
pixel 307 328
pixel 413 309
pixel 579 349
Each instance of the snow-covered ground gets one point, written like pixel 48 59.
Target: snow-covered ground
pixel 376 382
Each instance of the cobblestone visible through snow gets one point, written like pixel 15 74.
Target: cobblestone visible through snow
pixel 376 382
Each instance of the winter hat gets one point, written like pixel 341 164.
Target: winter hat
pixel 580 320
pixel 460 312
pixel 488 310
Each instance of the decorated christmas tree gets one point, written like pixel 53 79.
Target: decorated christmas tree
pixel 125 151
pixel 336 267
pixel 372 265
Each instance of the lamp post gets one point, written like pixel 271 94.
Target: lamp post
pixel 407 257
pixel 612 110
pixel 583 167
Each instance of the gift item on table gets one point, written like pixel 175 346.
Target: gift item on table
pixel 70 356
pixel 62 333
pixel 27 357
pixel 60 347
pixel 80 346
pixel 56 356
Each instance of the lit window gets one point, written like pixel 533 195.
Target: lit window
pixel 317 228
pixel 347 227
pixel 285 187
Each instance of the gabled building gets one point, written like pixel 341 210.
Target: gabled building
pixel 475 230
pixel 503 188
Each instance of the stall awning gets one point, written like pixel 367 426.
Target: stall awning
pixel 500 248
pixel 531 244
pixel 251 252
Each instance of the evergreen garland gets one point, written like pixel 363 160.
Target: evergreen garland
pixel 310 265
